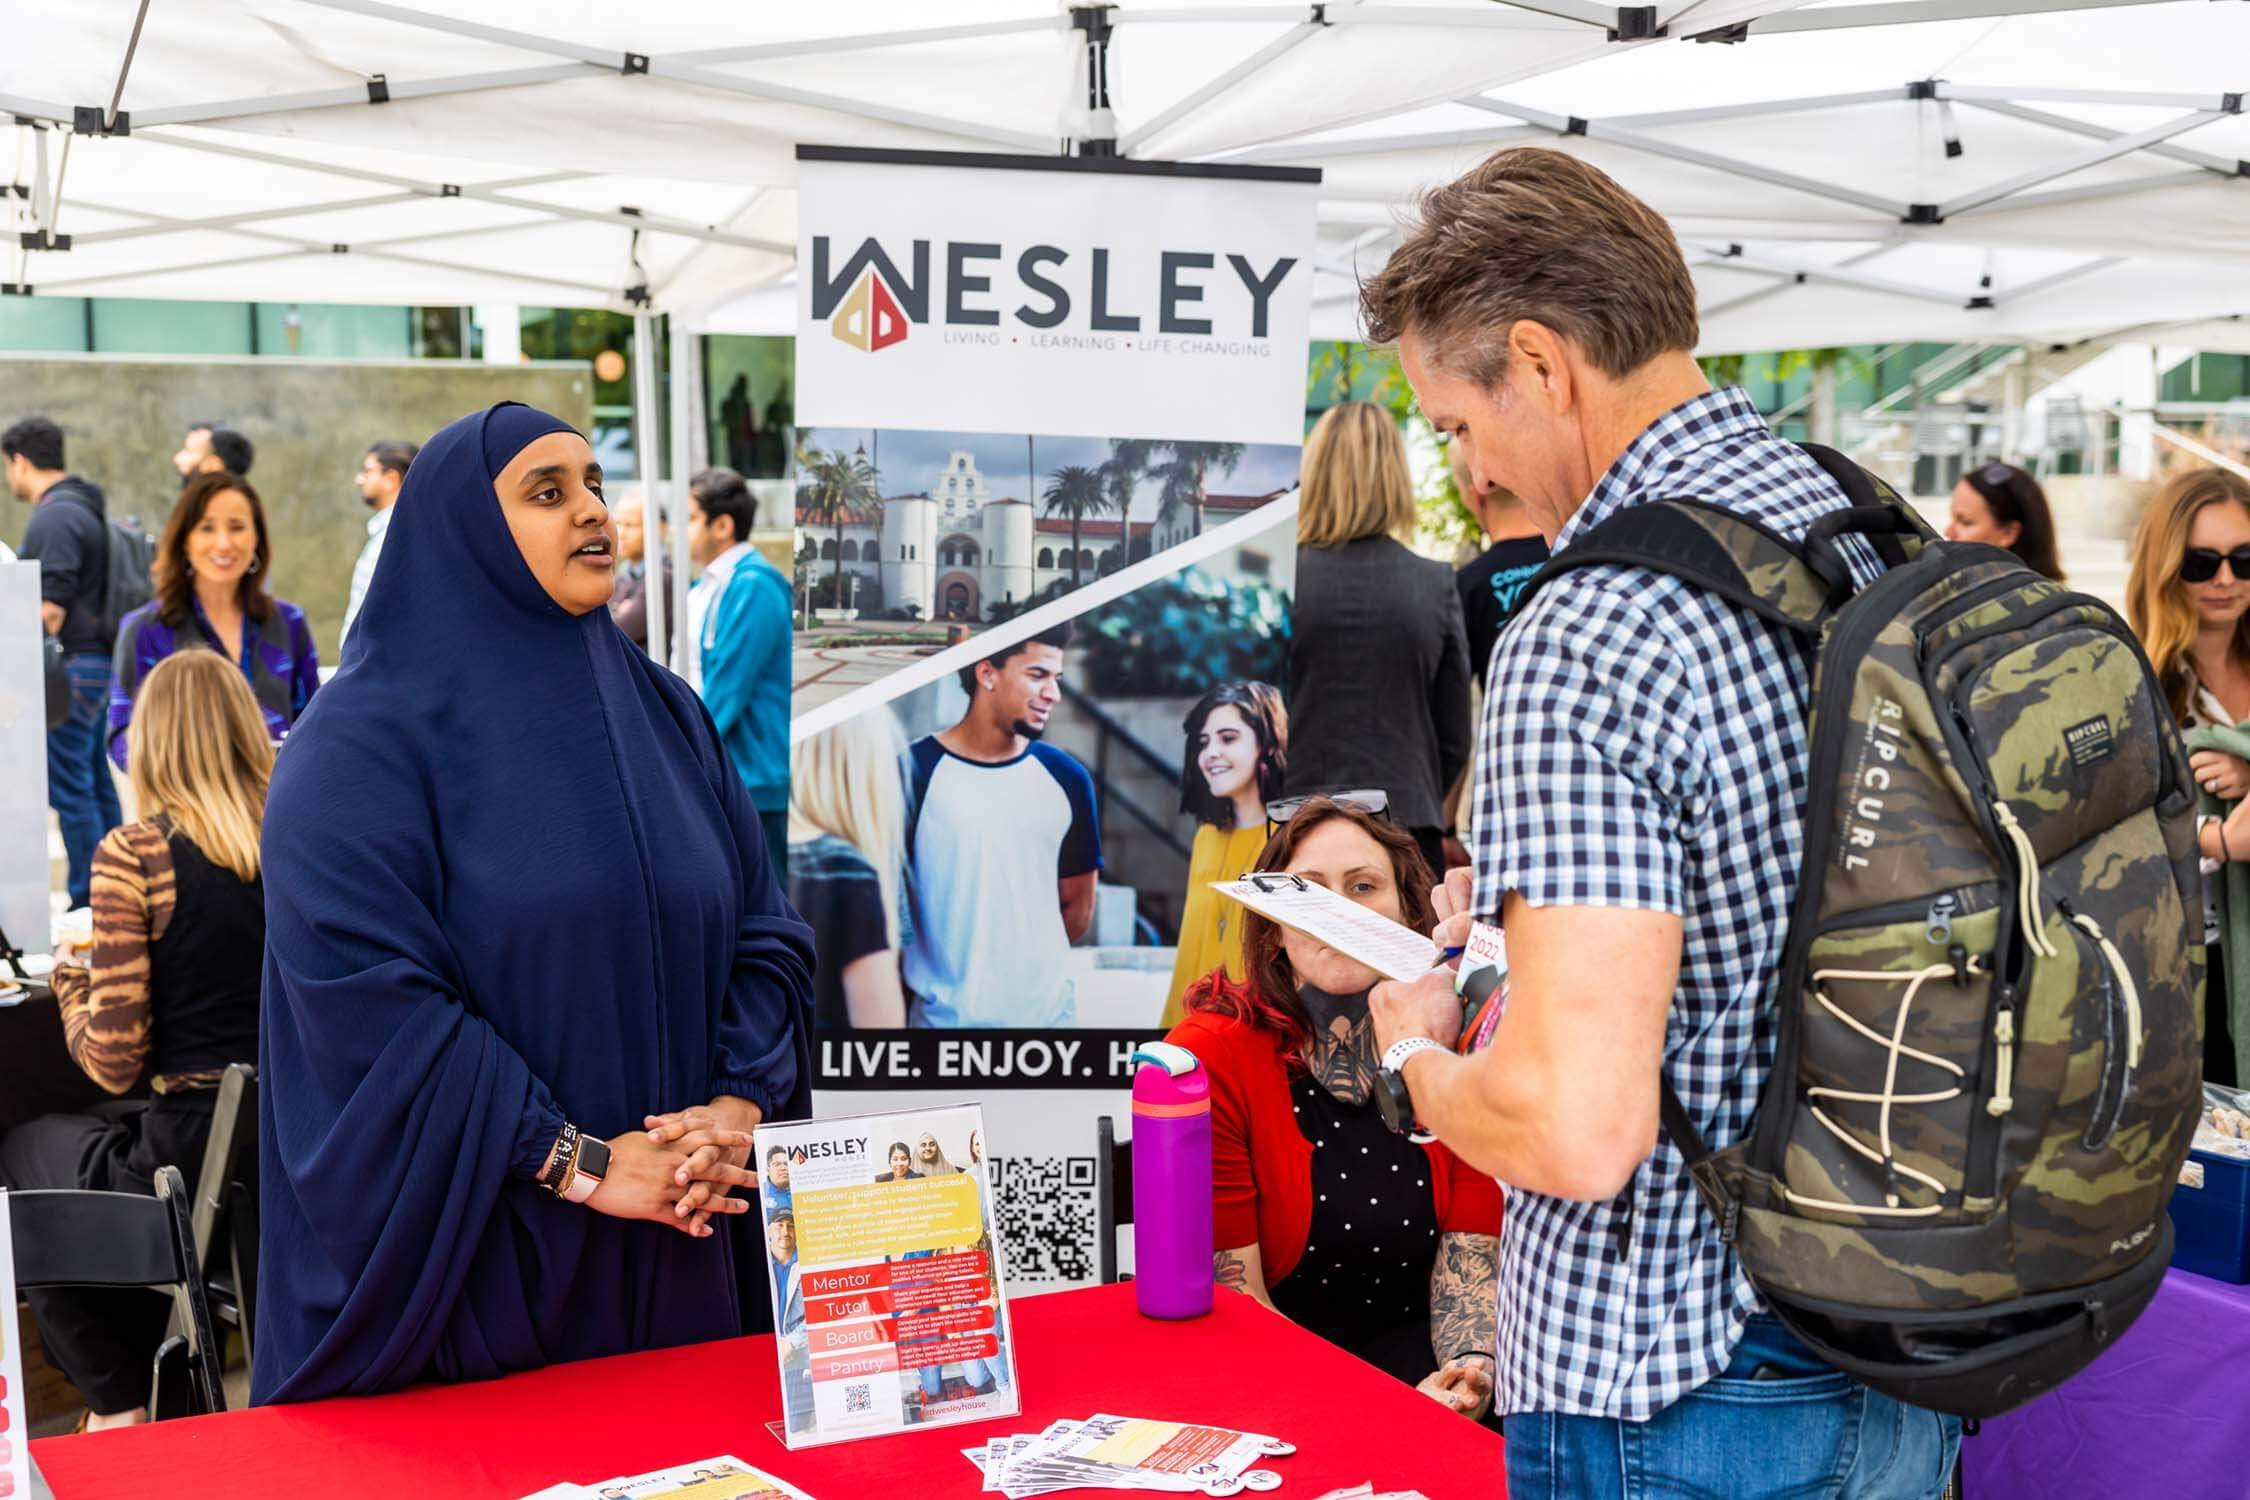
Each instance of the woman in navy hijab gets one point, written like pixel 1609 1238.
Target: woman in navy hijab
pixel 512 883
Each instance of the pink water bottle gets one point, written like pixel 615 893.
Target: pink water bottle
pixel 1171 1183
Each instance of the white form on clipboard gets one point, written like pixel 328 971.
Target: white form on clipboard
pixel 1343 924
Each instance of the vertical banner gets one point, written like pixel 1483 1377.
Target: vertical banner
pixel 1050 413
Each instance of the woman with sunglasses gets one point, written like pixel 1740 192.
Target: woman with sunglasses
pixel 2188 596
pixel 1237 749
pixel 2002 506
pixel 1383 1246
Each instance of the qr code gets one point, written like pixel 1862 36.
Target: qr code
pixel 859 1398
pixel 1047 1218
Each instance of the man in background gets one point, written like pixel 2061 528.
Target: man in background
pixel 68 536
pixel 382 474
pixel 1005 843
pixel 212 448
pixel 1491 582
pixel 739 613
pixel 628 604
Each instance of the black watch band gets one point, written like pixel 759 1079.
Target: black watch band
pixel 556 1172
pixel 1394 1102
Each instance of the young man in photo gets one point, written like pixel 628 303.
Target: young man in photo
pixel 1006 846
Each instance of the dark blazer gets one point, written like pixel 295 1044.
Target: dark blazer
pixel 628 605
pixel 1378 677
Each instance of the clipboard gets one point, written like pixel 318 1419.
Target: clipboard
pixel 1351 929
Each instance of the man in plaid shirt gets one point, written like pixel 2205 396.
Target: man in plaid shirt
pixel 1641 817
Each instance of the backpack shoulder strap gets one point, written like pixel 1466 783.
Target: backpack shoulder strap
pixel 1718 551
pixel 1797 585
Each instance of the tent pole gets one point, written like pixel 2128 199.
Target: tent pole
pixel 2108 150
pixel 645 420
pixel 684 353
pixel 2223 166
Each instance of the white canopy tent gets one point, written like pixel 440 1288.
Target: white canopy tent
pixel 1840 172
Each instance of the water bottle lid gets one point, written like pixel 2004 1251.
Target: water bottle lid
pixel 1174 1060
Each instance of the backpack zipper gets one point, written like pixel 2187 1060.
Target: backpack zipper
pixel 2121 1045
pixel 1830 696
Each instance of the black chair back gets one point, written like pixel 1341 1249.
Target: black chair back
pixel 76 1237
pixel 225 1222
pixel 1113 1195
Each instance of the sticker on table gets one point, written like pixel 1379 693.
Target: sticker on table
pixel 886 1274
pixel 723 1478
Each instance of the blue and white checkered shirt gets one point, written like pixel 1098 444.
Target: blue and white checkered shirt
pixel 1644 747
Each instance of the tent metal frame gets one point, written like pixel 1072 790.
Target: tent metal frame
pixel 1295 23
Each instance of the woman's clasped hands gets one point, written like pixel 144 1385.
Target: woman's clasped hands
pixel 680 1167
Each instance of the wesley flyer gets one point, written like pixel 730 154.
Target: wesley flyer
pixel 885 1272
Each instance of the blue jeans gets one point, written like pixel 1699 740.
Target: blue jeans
pixel 78 784
pixel 1804 1431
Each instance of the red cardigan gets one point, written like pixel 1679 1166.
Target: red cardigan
pixel 1261 1163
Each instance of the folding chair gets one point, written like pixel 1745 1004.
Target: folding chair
pixel 67 1237
pixel 1113 1195
pixel 225 1220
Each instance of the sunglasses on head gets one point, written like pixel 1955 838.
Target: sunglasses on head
pixel 1374 803
pixel 2201 564
pixel 1994 476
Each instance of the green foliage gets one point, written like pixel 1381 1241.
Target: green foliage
pixel 1353 372
pixel 1079 493
pixel 1181 637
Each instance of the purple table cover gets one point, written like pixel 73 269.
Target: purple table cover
pixel 2165 1412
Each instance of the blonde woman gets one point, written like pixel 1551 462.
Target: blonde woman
pixel 170 994
pixel 847 834
pixel 2188 597
pixel 1378 687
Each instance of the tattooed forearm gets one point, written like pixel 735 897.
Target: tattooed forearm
pixel 1463 1296
pixel 1342 1056
pixel 1244 1270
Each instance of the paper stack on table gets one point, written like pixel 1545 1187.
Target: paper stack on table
pixel 1129 1453
pixel 721 1478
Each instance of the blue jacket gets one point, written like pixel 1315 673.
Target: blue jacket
pixel 746 648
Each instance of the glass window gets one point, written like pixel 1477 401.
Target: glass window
pixel 749 386
pixel 43 325
pixel 135 325
pixel 606 339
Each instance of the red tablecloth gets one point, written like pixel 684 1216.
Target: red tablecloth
pixel 1080 1353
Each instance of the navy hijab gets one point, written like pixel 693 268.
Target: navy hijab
pixel 511 877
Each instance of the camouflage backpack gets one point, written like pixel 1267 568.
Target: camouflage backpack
pixel 1989 1049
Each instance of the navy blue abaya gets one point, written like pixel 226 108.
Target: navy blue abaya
pixel 510 878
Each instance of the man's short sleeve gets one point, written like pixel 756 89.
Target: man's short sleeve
pixel 61 552
pixel 1081 851
pixel 1591 755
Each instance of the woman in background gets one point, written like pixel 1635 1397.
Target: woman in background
pixel 1378 661
pixel 1384 1247
pixel 209 578
pixel 1234 764
pixel 2002 506
pixel 847 840
pixel 170 993
pixel 2188 597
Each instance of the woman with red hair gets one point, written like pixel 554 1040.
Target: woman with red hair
pixel 1383 1246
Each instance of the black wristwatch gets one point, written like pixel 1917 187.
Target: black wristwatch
pixel 1392 1099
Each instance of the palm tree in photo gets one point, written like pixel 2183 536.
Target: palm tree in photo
pixel 1077 491
pixel 837 488
pixel 1198 463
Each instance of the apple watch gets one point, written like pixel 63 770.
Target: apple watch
pixel 1391 1097
pixel 587 1169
